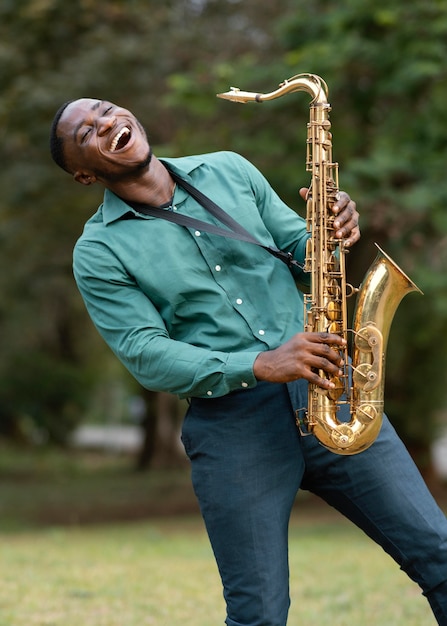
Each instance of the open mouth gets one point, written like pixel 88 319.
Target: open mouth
pixel 120 140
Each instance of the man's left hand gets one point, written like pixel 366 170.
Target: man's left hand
pixel 346 224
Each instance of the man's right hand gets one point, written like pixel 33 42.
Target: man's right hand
pixel 301 357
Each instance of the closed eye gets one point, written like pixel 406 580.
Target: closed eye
pixel 85 135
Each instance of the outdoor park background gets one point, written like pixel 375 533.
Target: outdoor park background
pixel 384 63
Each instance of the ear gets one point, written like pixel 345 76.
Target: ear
pixel 84 178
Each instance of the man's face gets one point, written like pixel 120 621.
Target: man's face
pixel 103 139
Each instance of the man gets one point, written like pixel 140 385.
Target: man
pixel 220 321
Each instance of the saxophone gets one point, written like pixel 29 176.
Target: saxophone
pixel 361 385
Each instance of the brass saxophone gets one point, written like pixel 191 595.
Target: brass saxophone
pixel 362 384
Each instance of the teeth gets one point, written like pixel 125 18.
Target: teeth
pixel 118 137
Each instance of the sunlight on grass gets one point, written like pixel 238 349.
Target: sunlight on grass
pixel 163 573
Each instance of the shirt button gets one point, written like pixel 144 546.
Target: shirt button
pixel 244 384
pixel 197 233
pixel 209 393
pixel 261 332
pixel 218 268
pixel 239 301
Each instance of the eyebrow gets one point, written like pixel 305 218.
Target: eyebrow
pixel 94 106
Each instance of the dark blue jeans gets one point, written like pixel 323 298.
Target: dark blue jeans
pixel 248 462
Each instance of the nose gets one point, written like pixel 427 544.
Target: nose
pixel 105 123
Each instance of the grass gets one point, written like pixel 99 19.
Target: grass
pixel 62 565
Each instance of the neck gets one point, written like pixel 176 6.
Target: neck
pixel 154 186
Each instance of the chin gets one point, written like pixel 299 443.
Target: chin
pixel 127 174
pixel 147 161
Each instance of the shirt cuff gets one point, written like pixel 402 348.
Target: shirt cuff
pixel 239 370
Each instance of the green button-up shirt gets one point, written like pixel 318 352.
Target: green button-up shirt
pixel 184 310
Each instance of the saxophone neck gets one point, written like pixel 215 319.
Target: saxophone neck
pixel 312 84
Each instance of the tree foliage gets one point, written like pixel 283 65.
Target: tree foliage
pixel 384 63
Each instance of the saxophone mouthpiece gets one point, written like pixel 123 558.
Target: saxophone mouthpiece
pixel 236 95
pixel 229 95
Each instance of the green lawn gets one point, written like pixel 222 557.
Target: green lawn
pixel 61 564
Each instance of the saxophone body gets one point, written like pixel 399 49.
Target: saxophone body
pixel 361 386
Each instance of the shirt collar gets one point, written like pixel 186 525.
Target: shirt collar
pixel 114 208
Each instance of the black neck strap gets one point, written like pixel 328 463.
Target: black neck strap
pixel 233 231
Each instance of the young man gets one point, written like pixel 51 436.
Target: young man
pixel 220 321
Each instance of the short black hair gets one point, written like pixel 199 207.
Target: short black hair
pixel 57 143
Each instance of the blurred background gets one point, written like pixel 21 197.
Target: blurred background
pixel 385 65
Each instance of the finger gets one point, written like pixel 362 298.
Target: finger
pixel 346 223
pixel 348 212
pixel 328 366
pixel 324 383
pixel 343 199
pixel 350 232
pixel 354 236
pixel 304 192
pixel 323 356
pixel 327 338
